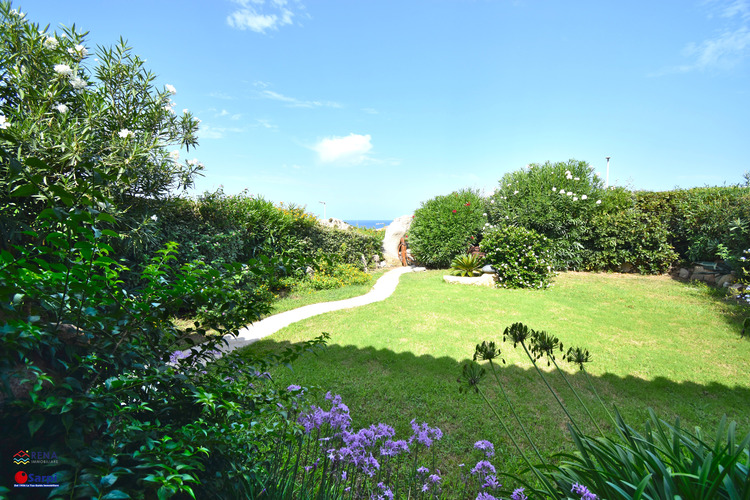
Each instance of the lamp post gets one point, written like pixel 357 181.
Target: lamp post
pixel 606 185
pixel 324 209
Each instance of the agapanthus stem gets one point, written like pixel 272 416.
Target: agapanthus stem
pixel 528 438
pixel 536 472
pixel 593 389
pixel 544 379
pixel 578 397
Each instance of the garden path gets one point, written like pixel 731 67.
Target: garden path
pixel 383 288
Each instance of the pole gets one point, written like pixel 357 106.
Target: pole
pixel 606 185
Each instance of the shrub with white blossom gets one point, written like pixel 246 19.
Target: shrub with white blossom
pixel 520 256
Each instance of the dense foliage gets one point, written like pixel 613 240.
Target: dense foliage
pixel 556 200
pixel 520 256
pixel 445 226
pixel 628 237
pixel 707 223
pixel 92 366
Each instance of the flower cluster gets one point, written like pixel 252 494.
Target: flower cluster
pixel 65 71
pixel 373 463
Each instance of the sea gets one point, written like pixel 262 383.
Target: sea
pixel 369 224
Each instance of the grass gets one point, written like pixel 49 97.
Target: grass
pixel 295 300
pixel 655 343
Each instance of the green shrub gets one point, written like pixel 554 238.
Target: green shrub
pixel 520 256
pixel 89 367
pixel 553 199
pixel 329 276
pixel 445 227
pixel 348 245
pixel 466 265
pixel 629 236
pixel 708 223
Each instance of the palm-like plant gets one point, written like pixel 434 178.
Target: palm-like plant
pixel 466 265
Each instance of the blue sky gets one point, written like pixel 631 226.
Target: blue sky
pixel 376 106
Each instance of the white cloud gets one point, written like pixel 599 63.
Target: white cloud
pixel 297 103
pixel 350 150
pixel 261 15
pixel 723 51
pixel 726 49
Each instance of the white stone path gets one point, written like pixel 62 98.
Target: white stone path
pixel 383 288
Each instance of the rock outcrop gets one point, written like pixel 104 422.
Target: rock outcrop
pixel 336 223
pixel 393 234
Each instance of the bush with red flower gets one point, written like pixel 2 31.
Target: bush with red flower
pixel 445 227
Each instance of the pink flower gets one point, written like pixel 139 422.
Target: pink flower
pixel 454 211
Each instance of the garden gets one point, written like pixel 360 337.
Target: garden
pixel 568 379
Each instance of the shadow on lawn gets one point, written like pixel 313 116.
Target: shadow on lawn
pixel 381 385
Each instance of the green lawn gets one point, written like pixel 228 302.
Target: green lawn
pixel 655 342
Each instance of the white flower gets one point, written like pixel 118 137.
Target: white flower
pixel 570 193
pixel 515 192
pixel 78 83
pixel 125 133
pixel 584 197
pixel 485 215
pixel 492 201
pixel 62 108
pixel 79 51
pixel 185 111
pixel 598 202
pixel 596 174
pixel 51 43
pixel 575 198
pixel 554 188
pixel 3 123
pixel 63 70
pixel 576 179
pixel 175 155
pixel 568 176
pixel 170 89
pixel 154 218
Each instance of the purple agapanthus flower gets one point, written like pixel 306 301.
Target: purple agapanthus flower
pixel 483 467
pixel 491 483
pixel 423 470
pixel 483 495
pixel 294 388
pixel 385 493
pixel 518 494
pixel 580 489
pixel 487 447
pixel 394 448
pixel 424 434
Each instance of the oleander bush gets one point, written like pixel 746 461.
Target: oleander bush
pixel 556 200
pixel 520 256
pixel 445 226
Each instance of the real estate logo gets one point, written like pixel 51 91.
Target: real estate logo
pixel 21 457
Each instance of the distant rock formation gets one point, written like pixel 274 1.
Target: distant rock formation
pixel 332 222
pixel 393 234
